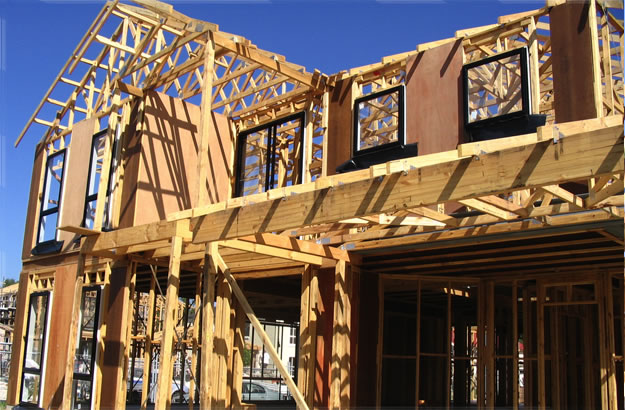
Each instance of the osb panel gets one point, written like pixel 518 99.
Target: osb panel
pixel 76 176
pixel 572 62
pixel 340 125
pixel 434 98
pixel 58 336
pixel 167 163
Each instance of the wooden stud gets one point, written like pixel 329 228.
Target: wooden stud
pixel 101 349
pixel 194 340
pixel 205 122
pixel 163 398
pixel 297 395
pixel 596 58
pixel 380 344
pixel 221 343
pixel 122 382
pixel 308 335
pixel 542 394
pixel 490 345
pixel 515 346
pixel 340 367
pixel 208 317
pixel 236 385
pixel 147 350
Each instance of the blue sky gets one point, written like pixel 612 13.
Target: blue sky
pixel 37 37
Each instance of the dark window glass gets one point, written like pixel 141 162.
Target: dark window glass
pixel 84 359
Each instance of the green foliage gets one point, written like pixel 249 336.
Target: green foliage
pixel 247 357
pixel 8 282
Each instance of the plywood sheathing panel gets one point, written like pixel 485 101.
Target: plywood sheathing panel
pixel 58 337
pixel 30 230
pixel 572 62
pixel 112 313
pixel 76 176
pixel 339 125
pixel 220 156
pixel 434 98
pixel 166 179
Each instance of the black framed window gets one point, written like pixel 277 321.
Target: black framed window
pixel 270 156
pixel 84 359
pixel 51 200
pixel 34 352
pixel 497 87
pixel 379 121
pixel 96 164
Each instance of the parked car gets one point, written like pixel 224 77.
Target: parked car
pixel 253 391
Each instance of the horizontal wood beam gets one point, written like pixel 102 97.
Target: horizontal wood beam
pixel 575 157
pixel 272 251
pixel 285 242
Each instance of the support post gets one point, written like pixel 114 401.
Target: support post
pixel 542 394
pixel 208 316
pixel 126 354
pixel 297 395
pixel 194 339
pixel 221 344
pixel 205 121
pixel 147 350
pixel 340 373
pixel 307 334
pixel 163 399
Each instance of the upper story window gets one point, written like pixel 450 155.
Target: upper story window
pixel 96 164
pixel 379 121
pixel 270 156
pixel 51 199
pixel 497 87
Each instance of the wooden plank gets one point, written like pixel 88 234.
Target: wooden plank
pixel 147 349
pixel 106 295
pixel 194 341
pixel 272 251
pixel 285 242
pixel 205 122
pixel 221 343
pixel 606 281
pixel 125 353
pixel 297 395
pixel 236 386
pixel 163 398
pixel 341 334
pixel 307 335
pixel 587 154
pixel 542 393
pixel 73 330
pixel 490 345
pixel 515 345
pixel 208 317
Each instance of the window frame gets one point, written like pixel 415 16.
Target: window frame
pixel 271 153
pixel 57 209
pixel 107 223
pixel 401 126
pixel 525 87
pixel 44 348
pixel 96 325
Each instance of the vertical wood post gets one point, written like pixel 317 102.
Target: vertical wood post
pixel 340 373
pixel 194 340
pixel 205 121
pixel 236 395
pixel 147 350
pixel 208 316
pixel 542 394
pixel 307 335
pixel 221 344
pixel 515 346
pixel 490 345
pixel 122 381
pixel 163 398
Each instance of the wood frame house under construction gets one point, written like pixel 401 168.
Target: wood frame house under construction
pixel 442 228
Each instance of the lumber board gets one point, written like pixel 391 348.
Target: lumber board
pixel 577 156
pixel 208 319
pixel 297 395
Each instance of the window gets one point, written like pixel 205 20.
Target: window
pixel 270 156
pixel 379 121
pixel 51 201
pixel 84 359
pixel 497 87
pixel 34 351
pixel 293 335
pixel 93 183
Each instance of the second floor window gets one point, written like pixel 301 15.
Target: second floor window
pixel 270 156
pixel 96 165
pixel 51 199
pixel 379 120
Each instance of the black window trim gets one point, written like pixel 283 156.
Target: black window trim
pixel 401 126
pixel 44 347
pixel 57 208
pixel 525 85
pixel 92 197
pixel 271 126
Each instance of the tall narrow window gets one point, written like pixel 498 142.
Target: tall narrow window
pixel 84 359
pixel 93 183
pixel 51 201
pixel 270 156
pixel 34 352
